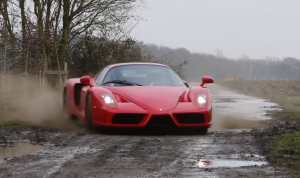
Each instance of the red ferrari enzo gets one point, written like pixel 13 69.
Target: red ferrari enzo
pixel 138 95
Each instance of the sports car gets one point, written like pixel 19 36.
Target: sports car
pixel 138 95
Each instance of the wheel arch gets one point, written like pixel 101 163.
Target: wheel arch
pixel 195 91
pixel 88 93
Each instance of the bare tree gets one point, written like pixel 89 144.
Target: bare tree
pixel 8 22
pixel 62 21
pixel 93 16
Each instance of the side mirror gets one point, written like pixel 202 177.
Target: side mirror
pixel 206 79
pixel 186 84
pixel 85 80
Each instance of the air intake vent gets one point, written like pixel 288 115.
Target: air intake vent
pixel 161 120
pixel 190 118
pixel 127 118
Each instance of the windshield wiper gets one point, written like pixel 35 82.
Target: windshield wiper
pixel 124 82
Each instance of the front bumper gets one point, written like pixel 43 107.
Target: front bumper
pixel 130 115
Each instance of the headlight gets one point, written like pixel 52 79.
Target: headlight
pixel 202 100
pixel 108 100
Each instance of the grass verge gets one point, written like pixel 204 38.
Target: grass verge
pixel 12 125
pixel 7 123
pixel 285 149
pixel 286 152
pixel 291 105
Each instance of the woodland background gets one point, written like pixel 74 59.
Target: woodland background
pixel 42 35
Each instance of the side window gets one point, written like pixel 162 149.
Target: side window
pixel 101 76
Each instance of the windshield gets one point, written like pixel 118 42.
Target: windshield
pixel 141 74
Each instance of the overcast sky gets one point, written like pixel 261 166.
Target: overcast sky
pixel 258 28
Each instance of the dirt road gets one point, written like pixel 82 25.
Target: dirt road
pixel 228 150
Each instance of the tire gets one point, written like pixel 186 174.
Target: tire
pixel 89 122
pixel 203 131
pixel 198 131
pixel 65 106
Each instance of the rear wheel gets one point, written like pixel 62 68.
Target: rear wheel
pixel 89 122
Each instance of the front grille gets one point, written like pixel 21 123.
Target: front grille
pixel 163 120
pixel 190 118
pixel 127 118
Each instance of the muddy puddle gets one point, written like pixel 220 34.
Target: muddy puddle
pixel 21 148
pixel 218 163
pixel 225 100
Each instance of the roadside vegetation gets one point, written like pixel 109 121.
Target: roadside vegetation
pixel 286 152
pixel 82 36
pixel 280 142
pixel 12 125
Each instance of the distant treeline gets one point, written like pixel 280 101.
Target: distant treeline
pixel 220 67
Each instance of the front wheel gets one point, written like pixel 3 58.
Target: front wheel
pixel 203 131
pixel 89 122
pixel 199 131
pixel 194 130
pixel 65 106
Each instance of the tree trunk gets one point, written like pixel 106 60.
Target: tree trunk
pixel 48 35
pixel 66 30
pixel 4 13
pixel 24 36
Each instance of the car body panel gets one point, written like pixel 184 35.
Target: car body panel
pixel 141 103
pixel 136 63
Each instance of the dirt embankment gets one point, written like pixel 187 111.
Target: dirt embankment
pixel 265 88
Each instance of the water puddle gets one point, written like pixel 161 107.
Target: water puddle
pixel 202 163
pixel 236 156
pixel 224 100
pixel 21 148
pixel 244 107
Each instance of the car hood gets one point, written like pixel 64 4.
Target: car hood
pixel 152 97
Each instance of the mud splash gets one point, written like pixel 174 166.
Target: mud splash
pixel 217 163
pixel 22 148
pixel 227 122
pixel 234 123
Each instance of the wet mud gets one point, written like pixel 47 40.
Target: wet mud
pixel 235 123
pixel 228 150
pixel 98 155
pixel 18 149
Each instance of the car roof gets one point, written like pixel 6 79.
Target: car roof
pixel 136 63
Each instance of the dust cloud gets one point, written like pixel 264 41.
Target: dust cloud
pixel 37 105
pixel 42 106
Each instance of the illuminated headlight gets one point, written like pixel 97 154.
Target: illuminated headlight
pixel 202 100
pixel 108 100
